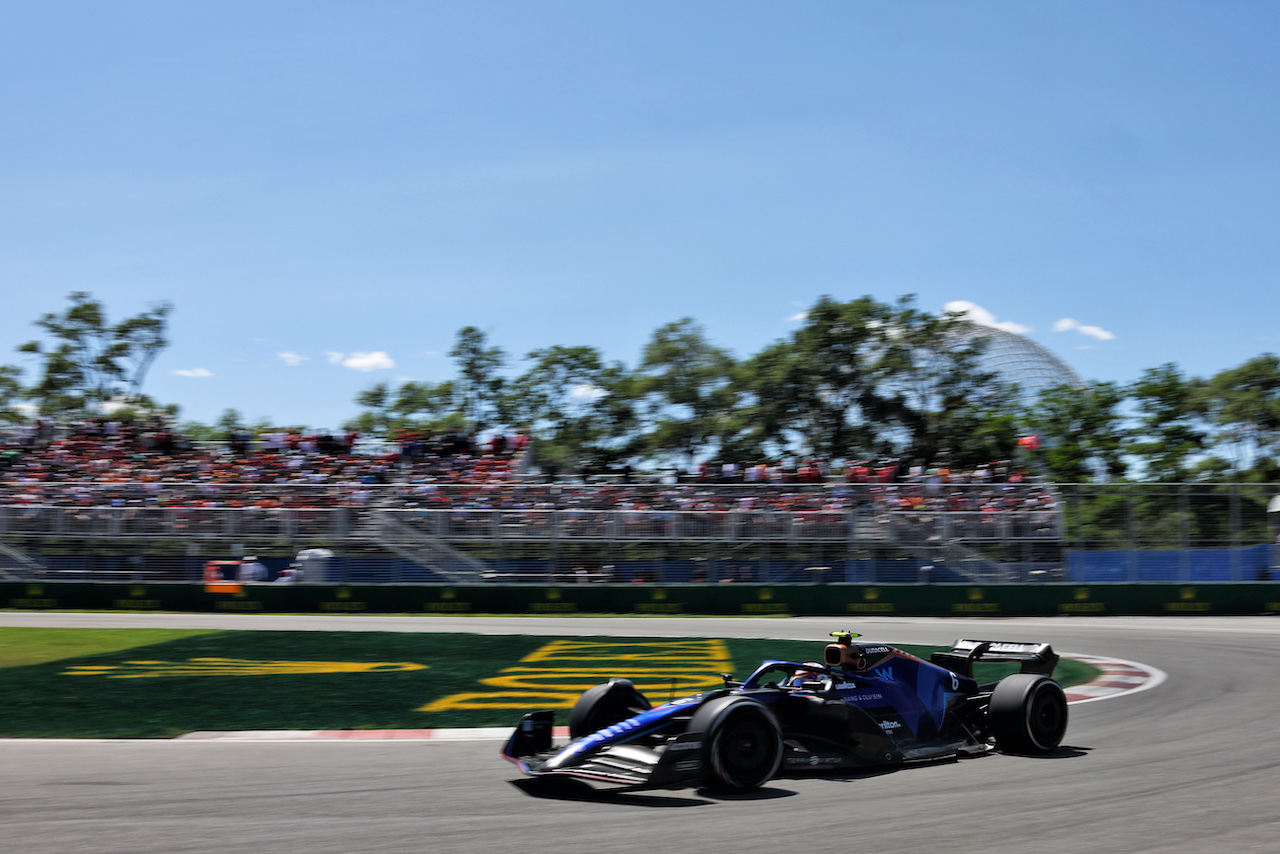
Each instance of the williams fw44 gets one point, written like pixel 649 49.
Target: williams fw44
pixel 864 705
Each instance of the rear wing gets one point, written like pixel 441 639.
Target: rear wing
pixel 1033 657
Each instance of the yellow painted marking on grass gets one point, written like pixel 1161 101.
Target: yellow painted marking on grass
pixel 695 653
pixel 553 676
pixel 235 667
pixel 581 680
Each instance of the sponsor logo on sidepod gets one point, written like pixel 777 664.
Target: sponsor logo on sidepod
pixel 813 760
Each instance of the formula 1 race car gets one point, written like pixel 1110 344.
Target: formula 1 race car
pixel 864 705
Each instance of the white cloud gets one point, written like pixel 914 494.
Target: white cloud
pixel 587 391
pixel 334 357
pixel 364 362
pixel 193 372
pixel 1066 324
pixel 977 314
pixel 292 359
pixel 796 318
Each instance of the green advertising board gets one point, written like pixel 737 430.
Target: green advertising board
pixel 759 600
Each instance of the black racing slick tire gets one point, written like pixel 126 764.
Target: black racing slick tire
pixel 742 744
pixel 1027 714
pixel 605 705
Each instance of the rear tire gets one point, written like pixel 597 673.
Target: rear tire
pixel 742 744
pixel 1028 714
pixel 605 705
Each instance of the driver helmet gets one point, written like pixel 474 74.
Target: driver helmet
pixel 812 671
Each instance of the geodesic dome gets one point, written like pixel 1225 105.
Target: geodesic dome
pixel 1019 360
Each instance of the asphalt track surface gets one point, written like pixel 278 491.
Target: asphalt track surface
pixel 1192 764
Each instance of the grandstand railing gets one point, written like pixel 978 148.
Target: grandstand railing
pixel 344 522
pixel 529 494
pixel 1080 516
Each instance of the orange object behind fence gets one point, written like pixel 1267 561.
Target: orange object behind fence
pixel 215 581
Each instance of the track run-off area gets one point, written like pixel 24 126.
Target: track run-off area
pixel 1177 752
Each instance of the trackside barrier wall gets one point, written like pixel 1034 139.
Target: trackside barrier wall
pixel 1254 563
pixel 940 600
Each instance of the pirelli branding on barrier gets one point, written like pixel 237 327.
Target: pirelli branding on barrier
pixel 35 598
pixel 555 675
pixel 975 603
pixel 1188 603
pixel 239 605
pixel 555 604
pixel 344 601
pixel 1082 603
pixel 931 600
pixel 449 603
pixel 659 604
pixel 765 604
pixel 871 603
pixel 137 601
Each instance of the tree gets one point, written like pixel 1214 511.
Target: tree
pixel 932 389
pixel 480 384
pixel 10 393
pixel 417 406
pixel 1082 432
pixel 816 393
pixel 475 398
pixel 89 361
pixel 686 388
pixel 1244 404
pixel 426 406
pixel 559 400
pixel 1169 427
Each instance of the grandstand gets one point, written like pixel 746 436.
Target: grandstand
pixel 534 531
pixel 476 516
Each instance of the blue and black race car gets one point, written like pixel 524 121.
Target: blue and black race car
pixel 864 705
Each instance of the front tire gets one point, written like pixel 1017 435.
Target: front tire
pixel 605 705
pixel 1028 714
pixel 742 744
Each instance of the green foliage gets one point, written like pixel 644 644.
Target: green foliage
pixel 560 399
pixel 947 408
pixel 88 361
pixel 1244 406
pixel 1084 430
pixel 1169 427
pixel 834 373
pixel 477 393
pixel 10 394
pixel 685 392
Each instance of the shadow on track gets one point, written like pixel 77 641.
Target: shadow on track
pixel 1063 751
pixel 567 789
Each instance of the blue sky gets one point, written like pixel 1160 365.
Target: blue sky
pixel 328 191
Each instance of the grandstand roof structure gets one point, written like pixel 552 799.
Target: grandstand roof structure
pixel 1018 360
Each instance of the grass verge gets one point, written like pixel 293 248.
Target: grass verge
pixel 154 683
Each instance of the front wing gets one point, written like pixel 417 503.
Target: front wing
pixel 677 763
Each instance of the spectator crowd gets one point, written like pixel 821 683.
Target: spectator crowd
pixel 103 462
